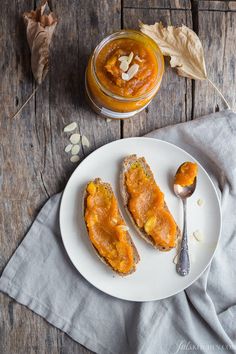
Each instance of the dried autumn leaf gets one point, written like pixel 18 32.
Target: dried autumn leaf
pixel 182 45
pixel 39 28
pixel 184 48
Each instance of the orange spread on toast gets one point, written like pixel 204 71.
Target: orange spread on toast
pixel 147 206
pixel 186 174
pixel 106 228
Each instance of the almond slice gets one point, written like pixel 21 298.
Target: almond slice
pixel 176 258
pixel 75 138
pixel 133 70
pixel 70 127
pixel 74 158
pixel 198 235
pixel 125 77
pixel 114 220
pixel 130 57
pixel 68 148
pixel 85 141
pixel 123 227
pixel 124 66
pixel 200 202
pixel 138 59
pixel 75 149
pixel 123 58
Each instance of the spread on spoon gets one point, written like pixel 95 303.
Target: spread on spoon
pixel 186 174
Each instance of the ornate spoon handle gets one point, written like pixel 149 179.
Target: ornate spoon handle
pixel 183 265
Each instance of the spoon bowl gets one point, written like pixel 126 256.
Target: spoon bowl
pixel 185 192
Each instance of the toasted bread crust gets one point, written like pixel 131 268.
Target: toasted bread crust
pixel 127 162
pixel 136 255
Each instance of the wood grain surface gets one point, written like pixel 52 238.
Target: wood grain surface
pixel 33 165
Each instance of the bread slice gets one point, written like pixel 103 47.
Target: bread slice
pixel 127 162
pixel 136 257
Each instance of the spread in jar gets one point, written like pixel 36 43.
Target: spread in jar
pixel 123 74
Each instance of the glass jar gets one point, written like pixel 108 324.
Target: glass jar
pixel 108 90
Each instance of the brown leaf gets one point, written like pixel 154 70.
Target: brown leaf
pixel 182 45
pixel 40 28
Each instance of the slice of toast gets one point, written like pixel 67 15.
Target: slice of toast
pixel 136 257
pixel 126 165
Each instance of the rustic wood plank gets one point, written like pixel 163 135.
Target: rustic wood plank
pixel 33 163
pixel 16 139
pixel 173 102
pixel 75 39
pixel 217 33
pixel 23 332
pixel 217 5
pixel 158 4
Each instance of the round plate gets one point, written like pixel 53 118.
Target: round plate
pixel 155 277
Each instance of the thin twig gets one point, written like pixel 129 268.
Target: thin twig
pixel 216 88
pixel 24 104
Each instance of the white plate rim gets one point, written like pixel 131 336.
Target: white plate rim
pixel 218 204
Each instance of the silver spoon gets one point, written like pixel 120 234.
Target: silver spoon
pixel 183 265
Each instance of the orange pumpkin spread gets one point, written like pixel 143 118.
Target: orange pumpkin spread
pixel 186 174
pixel 147 206
pixel 105 76
pixel 110 74
pixel 106 228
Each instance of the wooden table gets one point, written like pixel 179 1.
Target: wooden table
pixel 33 165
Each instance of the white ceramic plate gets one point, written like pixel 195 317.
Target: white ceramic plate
pixel 155 277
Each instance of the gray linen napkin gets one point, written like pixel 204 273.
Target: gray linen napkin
pixel 201 318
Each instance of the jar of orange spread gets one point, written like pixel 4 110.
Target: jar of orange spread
pixel 123 74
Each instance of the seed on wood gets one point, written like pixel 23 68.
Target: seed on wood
pixel 68 148
pixel 75 149
pixel 74 158
pixel 70 127
pixel 85 141
pixel 75 138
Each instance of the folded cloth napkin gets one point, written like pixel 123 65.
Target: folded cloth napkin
pixel 200 319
